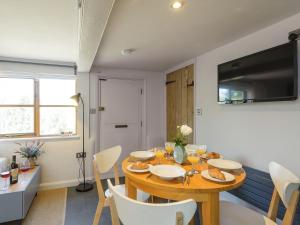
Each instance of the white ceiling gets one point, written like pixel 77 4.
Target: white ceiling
pixel 39 29
pixel 164 37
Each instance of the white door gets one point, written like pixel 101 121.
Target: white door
pixel 121 115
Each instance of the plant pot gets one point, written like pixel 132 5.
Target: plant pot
pixel 32 163
pixel 179 154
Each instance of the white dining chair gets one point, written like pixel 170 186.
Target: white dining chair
pixel 286 188
pixel 103 162
pixel 132 212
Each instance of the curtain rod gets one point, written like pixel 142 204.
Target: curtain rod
pixel 38 62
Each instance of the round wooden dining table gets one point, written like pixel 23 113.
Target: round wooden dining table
pixel 204 192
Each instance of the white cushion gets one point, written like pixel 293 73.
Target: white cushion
pixel 233 214
pixel 141 196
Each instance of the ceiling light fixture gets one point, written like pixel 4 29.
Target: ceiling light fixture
pixel 128 51
pixel 177 5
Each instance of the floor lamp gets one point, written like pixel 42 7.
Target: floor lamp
pixel 82 187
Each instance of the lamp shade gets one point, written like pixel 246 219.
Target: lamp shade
pixel 76 99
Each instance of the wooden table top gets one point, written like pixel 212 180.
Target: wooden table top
pixel 198 184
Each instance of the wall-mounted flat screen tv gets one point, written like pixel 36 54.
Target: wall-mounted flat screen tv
pixel 270 75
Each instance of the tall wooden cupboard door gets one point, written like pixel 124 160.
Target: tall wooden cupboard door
pixel 180 100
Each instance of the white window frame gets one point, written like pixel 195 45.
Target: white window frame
pixel 36 106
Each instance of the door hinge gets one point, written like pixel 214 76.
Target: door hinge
pixel 141 91
pixel 170 82
pixel 141 123
pixel 191 84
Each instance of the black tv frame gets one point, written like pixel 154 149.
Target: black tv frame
pixel 290 98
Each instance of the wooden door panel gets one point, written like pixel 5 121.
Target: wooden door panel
pixel 172 86
pixel 180 100
pixel 190 100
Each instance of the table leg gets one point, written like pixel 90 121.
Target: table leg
pixel 211 210
pixel 131 190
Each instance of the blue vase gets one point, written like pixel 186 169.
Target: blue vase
pixel 179 154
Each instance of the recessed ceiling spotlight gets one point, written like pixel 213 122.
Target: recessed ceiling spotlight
pixel 127 51
pixel 177 5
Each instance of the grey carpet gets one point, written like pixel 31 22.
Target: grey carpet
pixel 81 207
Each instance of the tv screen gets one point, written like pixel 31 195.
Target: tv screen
pixel 270 75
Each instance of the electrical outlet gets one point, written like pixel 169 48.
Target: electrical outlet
pixel 80 155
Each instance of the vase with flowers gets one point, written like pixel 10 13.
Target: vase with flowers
pixel 181 140
pixel 30 151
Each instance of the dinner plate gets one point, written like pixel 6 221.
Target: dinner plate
pixel 138 171
pixel 142 155
pixel 167 172
pixel 224 164
pixel 228 177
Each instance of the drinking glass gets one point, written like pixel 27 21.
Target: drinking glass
pixel 193 158
pixel 24 165
pixel 169 146
pixel 4 181
pixel 159 154
pixel 201 149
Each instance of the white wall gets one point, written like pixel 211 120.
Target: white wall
pixel 59 165
pixel 155 100
pixel 254 134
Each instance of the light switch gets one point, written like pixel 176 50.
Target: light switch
pixel 93 111
pixel 199 111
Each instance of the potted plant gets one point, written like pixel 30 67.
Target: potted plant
pixel 183 132
pixel 30 151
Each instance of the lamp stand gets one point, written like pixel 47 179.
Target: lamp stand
pixel 84 186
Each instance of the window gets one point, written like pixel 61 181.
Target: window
pixel 229 94
pixel 36 107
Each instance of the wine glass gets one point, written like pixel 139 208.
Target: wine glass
pixel 201 149
pixel 169 146
pixel 4 180
pixel 193 158
pixel 24 165
pixel 159 154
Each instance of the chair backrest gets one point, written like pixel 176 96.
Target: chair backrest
pixel 106 159
pixel 132 212
pixel 285 182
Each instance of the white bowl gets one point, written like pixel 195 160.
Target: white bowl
pixel 225 164
pixel 167 172
pixel 142 155
pixel 193 148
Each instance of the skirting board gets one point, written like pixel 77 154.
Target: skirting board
pixel 61 184
pixel 72 183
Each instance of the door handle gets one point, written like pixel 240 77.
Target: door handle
pixel 121 126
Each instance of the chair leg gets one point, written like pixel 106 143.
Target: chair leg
pixel 192 222
pixel 98 213
pixel 113 212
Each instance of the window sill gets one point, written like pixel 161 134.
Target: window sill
pixel 46 138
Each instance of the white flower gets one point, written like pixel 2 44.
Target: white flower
pixel 185 130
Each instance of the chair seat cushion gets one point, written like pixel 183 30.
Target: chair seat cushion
pixel 141 196
pixel 233 214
